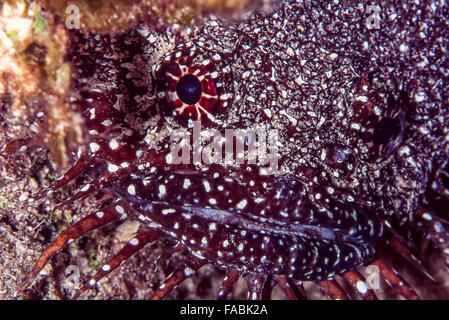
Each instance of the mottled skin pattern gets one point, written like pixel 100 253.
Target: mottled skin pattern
pixel 315 73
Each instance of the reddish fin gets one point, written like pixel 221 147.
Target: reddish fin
pixel 358 282
pixel 398 245
pixel 229 281
pixel 333 290
pixel 292 291
pixel 395 280
pixel 256 284
pixel 178 276
pixel 87 190
pixel 92 221
pixel 81 165
pixel 142 238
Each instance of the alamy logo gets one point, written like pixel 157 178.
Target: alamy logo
pixel 373 11
pixel 236 147
pixel 372 277
pixel 73 276
pixel 373 20
pixel 73 19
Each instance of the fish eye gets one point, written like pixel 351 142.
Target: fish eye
pixel 189 89
pixel 193 85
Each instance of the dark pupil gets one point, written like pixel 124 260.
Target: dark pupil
pixel 189 89
pixel 385 130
